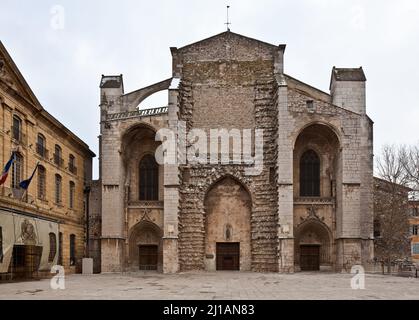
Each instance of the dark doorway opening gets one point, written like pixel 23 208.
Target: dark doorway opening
pixel 148 257
pixel 310 258
pixel 228 256
pixel 25 262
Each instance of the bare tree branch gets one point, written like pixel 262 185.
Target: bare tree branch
pixel 391 215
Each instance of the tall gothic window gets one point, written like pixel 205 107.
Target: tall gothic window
pixel 310 174
pixel 58 189
pixel 17 171
pixel 42 182
pixel 149 179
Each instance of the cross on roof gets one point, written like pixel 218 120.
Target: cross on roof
pixel 228 20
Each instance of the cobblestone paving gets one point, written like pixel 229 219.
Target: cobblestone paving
pixel 220 286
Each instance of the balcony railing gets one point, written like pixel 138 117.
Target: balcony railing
pixel 314 200
pixel 42 151
pixel 72 168
pixel 146 204
pixel 18 136
pixel 58 160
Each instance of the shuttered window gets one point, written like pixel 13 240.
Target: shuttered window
pixel 41 183
pixel 58 189
pixel 52 247
pixel 17 171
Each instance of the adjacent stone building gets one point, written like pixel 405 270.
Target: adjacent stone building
pixel 44 226
pixel 310 207
pixel 414 229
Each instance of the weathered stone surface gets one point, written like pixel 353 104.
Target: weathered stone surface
pixel 233 82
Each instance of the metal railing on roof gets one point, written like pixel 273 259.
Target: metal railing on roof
pixel 137 113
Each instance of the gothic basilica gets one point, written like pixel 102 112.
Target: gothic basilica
pixel 309 207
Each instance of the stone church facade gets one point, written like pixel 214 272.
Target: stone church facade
pixel 310 206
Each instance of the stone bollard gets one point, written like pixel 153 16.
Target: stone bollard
pixel 87 266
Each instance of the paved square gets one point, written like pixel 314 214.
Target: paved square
pixel 219 285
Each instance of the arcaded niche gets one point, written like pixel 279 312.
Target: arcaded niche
pixel 267 173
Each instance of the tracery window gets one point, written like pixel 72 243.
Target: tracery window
pixel 149 179
pixel 310 174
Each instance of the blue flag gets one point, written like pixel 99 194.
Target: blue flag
pixel 25 183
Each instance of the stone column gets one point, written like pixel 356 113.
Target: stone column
pixel 367 189
pixel 113 217
pixel 285 182
pixel 112 175
pixel 171 194
pixel 349 198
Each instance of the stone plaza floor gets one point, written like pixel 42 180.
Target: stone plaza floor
pixel 217 285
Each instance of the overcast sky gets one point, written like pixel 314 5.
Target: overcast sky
pixel 63 59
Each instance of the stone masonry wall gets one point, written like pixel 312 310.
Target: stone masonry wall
pixel 239 87
pixel 95 224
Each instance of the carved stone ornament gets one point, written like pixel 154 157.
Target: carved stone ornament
pixel 28 234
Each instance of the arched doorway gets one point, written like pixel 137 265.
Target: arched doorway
pixel 227 226
pixel 317 179
pixel 313 249
pixel 145 247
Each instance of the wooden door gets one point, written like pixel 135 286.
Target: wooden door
pixel 228 256
pixel 310 258
pixel 25 261
pixel 148 257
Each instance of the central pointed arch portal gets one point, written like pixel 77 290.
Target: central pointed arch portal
pixel 228 208
pixel 145 247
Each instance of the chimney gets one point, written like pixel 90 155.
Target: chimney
pixel 347 88
pixel 111 88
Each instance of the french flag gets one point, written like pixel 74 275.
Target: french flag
pixel 6 169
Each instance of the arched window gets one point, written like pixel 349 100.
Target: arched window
pixel 41 146
pixel 17 128
pixel 72 191
pixel 58 159
pixel 72 164
pixel 310 174
pixel 52 247
pixel 58 189
pixel 149 179
pixel 72 250
pixel 17 171
pixel 42 183
pixel 60 248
